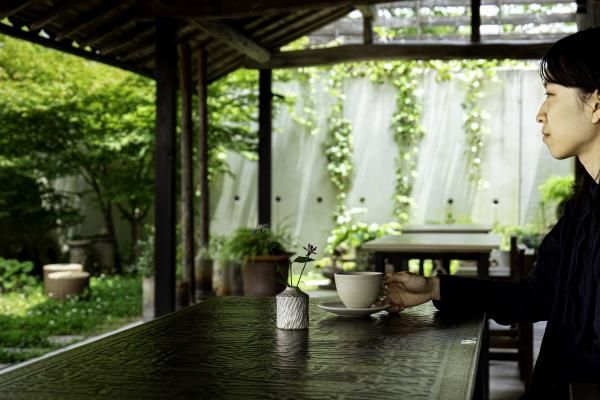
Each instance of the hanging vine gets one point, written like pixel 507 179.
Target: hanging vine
pixel 473 76
pixel 407 133
pixel 405 124
pixel 338 145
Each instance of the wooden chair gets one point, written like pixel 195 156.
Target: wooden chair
pixel 515 343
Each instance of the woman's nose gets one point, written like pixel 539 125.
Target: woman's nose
pixel 540 116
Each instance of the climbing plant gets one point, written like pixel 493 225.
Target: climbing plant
pixel 474 74
pixel 407 133
pixel 338 145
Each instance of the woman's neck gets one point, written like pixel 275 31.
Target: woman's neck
pixel 591 163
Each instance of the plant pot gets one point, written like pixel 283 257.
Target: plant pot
pixel 79 251
pixel 182 293
pixel 262 277
pixel 236 279
pixel 292 309
pixel 103 251
pixel 148 298
pixel 204 275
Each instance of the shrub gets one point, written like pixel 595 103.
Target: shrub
pixel 15 274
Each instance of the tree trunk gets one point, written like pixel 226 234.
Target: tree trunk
pixel 110 226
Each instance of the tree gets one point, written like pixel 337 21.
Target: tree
pixel 63 116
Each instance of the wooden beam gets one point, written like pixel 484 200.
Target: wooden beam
pixel 164 166
pixel 236 8
pixel 89 19
pixel 368 11
pixel 12 7
pixel 129 38
pixel 203 147
pixel 109 29
pixel 347 27
pixel 475 21
pixel 235 39
pixel 187 169
pixel 52 14
pixel 77 51
pixel 265 97
pixel 461 3
pixel 416 51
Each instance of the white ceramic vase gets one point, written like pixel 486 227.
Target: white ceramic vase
pixel 292 309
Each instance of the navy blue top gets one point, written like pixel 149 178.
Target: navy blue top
pixel 562 289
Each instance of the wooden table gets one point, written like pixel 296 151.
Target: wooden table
pixel 442 246
pixel 447 228
pixel 229 348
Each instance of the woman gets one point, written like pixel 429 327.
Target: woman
pixel 563 288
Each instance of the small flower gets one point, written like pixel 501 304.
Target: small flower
pixel 310 249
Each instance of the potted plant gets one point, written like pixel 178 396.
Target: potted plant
pixel 262 254
pixel 228 268
pixel 557 190
pixel 292 303
pixel 144 267
pixel 204 266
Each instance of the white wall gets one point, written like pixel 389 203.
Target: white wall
pixel 515 160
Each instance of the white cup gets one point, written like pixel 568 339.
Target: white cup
pixel 358 289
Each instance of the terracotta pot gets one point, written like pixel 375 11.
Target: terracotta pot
pixel 204 275
pixel 263 278
pixel 182 293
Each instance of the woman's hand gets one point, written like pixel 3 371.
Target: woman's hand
pixel 405 289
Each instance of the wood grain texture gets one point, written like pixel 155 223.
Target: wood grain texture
pixel 230 348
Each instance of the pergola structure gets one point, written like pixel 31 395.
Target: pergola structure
pixel 182 43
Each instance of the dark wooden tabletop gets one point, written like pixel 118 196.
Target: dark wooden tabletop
pixel 229 348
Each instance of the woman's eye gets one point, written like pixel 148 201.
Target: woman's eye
pixel 548 94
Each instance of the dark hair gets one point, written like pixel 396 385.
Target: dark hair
pixel 573 61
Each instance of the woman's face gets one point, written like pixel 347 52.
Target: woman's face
pixel 568 124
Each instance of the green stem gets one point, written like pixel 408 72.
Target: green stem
pixel 301 272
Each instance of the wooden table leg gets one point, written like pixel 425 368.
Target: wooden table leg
pixel 483 266
pixel 379 262
pixel 482 380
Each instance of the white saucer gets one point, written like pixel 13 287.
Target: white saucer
pixel 338 308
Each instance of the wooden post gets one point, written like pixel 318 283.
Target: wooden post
pixel 164 164
pixel 203 148
pixel 187 172
pixel 475 21
pixel 264 147
pixel 367 30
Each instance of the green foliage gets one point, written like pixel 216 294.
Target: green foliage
pixel 350 233
pixel 15 275
pixel 29 318
pixel 144 262
pixel 247 243
pixel 407 133
pixel 338 146
pixel 474 73
pixel 557 189
pixel 96 123
pixel 304 260
pixel 531 234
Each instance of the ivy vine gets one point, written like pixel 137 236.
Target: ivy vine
pixel 474 74
pixel 338 145
pixel 407 133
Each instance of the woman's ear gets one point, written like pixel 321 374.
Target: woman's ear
pixel 596 107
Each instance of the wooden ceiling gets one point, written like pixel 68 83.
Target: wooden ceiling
pixel 121 32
